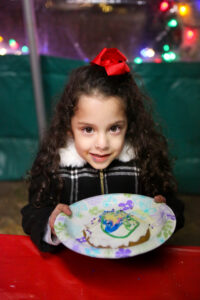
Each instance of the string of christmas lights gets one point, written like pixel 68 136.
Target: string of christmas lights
pixel 176 34
pixel 12 47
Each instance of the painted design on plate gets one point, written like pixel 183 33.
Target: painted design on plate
pixel 116 229
pixel 113 221
pixel 115 218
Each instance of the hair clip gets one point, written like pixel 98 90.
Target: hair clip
pixel 112 60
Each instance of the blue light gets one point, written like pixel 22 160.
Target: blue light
pixel 197 4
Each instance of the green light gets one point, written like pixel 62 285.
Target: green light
pixel 25 49
pixel 169 56
pixel 172 23
pixel 138 60
pixel 12 42
pixel 166 47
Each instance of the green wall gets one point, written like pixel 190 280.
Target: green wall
pixel 175 89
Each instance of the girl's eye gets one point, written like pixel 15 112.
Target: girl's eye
pixel 115 128
pixel 87 130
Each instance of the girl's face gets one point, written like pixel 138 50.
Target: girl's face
pixel 99 126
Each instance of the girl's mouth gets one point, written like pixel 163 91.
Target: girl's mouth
pixel 99 158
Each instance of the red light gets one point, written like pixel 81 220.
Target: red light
pixel 157 60
pixel 164 6
pixel 190 34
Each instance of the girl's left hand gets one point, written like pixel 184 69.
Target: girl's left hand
pixel 160 199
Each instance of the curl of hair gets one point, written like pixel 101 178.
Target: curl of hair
pixel 149 143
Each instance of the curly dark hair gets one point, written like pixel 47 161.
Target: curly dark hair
pixel 142 132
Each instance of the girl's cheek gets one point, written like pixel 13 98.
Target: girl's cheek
pixel 85 142
pixel 118 142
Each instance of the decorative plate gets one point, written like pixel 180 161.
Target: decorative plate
pixel 109 226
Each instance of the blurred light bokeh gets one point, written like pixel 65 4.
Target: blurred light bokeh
pixel 145 31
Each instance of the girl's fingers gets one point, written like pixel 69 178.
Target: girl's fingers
pixel 160 199
pixel 58 209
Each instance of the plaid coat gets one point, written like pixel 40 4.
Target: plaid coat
pixel 80 181
pixel 84 182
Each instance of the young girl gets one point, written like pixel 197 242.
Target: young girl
pixel 102 139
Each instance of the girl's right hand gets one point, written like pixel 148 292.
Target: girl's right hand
pixel 58 209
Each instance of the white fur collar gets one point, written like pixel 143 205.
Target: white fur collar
pixel 69 157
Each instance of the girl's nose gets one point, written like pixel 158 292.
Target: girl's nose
pixel 101 142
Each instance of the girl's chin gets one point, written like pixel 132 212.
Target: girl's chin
pixel 99 165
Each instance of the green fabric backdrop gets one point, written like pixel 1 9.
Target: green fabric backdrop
pixel 175 89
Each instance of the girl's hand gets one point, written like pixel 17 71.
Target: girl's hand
pixel 58 209
pixel 160 199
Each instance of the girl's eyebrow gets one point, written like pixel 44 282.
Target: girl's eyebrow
pixel 85 124
pixel 120 122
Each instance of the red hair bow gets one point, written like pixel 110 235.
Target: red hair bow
pixel 112 60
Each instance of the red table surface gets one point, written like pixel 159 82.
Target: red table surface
pixel 164 273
